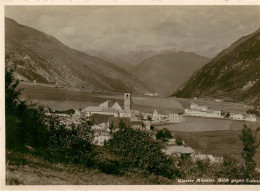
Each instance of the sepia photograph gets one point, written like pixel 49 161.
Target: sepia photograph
pixel 132 95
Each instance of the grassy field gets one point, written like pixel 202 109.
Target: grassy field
pixel 225 106
pixel 216 143
pixel 194 124
pixel 28 169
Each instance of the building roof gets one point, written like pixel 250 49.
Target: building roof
pixel 98 118
pixel 179 149
pixel 92 109
pixel 109 110
pixel 116 121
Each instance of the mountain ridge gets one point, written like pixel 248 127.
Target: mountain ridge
pixel 45 59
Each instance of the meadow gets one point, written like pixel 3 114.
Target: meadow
pixel 216 143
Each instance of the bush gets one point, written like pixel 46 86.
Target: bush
pixel 179 141
pixel 253 111
pixel 163 135
pixel 73 145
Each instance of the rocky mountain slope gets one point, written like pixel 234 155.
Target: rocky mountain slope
pixel 168 70
pixel 42 58
pixel 234 73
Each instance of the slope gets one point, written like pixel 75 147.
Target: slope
pixel 43 58
pixel 167 71
pixel 234 73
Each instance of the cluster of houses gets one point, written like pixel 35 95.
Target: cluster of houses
pixel 205 111
pixel 184 151
pixel 243 117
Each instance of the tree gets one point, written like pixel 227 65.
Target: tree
pixel 163 135
pixel 25 123
pixel 227 115
pixel 11 92
pixel 111 128
pixel 229 168
pixel 138 150
pixel 152 128
pixel 179 141
pixel 250 145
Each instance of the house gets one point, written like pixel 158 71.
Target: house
pixel 236 116
pixel 204 157
pixel 250 117
pixel 90 110
pixel 175 118
pixel 197 107
pixel 156 116
pixel 105 104
pixel 147 124
pixel 179 151
pixel 137 124
pixel 100 139
pixel 202 111
pixel 171 142
pixel 117 107
pixel 211 158
pixel 116 121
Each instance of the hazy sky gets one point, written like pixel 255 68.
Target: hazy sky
pixel 205 30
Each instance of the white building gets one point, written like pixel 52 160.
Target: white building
pixel 156 116
pixel 127 102
pixel 100 139
pixel 202 111
pixel 243 117
pixel 175 118
pixel 250 117
pixel 117 107
pixel 197 107
pixel 236 116
pixel 105 104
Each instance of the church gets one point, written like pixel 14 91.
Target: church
pixel 109 108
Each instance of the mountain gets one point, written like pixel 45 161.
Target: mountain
pixel 135 57
pixel 43 58
pixel 167 71
pixel 110 58
pixel 234 73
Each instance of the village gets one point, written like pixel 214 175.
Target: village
pixel 108 113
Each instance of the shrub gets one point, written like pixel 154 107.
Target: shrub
pixel 179 141
pixel 163 135
pixel 71 144
pixel 230 168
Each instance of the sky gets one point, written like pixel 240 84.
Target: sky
pixel 205 30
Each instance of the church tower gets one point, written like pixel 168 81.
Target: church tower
pixel 127 101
